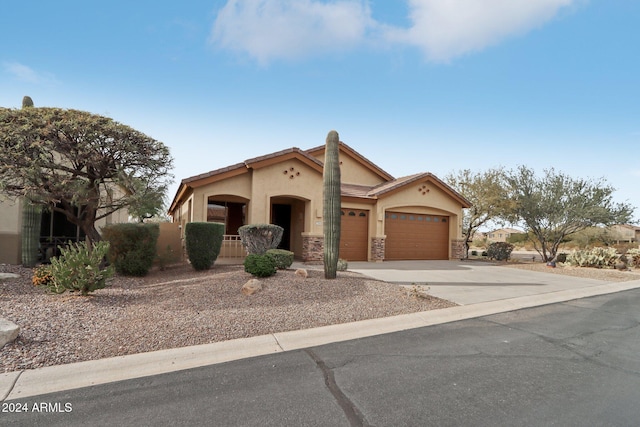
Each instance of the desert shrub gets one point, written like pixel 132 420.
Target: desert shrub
pixel 342 265
pixel 259 238
pixel 132 247
pixel 42 276
pixel 281 257
pixel 500 251
pixel 561 257
pixel 596 257
pixel 474 253
pixel 633 258
pixel 203 241
pixel 79 268
pixel 260 265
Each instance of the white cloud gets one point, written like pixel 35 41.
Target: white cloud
pixel 27 74
pixel 443 29
pixel 268 29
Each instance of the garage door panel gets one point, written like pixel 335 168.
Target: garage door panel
pixel 354 234
pixel 416 236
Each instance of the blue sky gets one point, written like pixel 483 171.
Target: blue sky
pixel 415 85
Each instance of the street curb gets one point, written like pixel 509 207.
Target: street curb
pixel 84 374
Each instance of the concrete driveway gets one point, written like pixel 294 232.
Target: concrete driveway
pixel 470 282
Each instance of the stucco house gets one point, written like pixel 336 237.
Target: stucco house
pixel 502 234
pixel 383 218
pixel 55 229
pixel 625 233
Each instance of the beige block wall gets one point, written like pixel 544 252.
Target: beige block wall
pixel 10 230
pixel 354 172
pixel 271 181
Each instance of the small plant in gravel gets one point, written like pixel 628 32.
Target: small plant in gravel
pixel 342 265
pixel 42 276
pixel 79 268
pixel 260 265
pixel 281 257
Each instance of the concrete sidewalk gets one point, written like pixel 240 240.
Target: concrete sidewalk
pixel 481 289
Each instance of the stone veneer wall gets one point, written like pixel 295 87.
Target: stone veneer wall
pixel 312 248
pixel 457 249
pixel 377 249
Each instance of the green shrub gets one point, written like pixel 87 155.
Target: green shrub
pixel 281 257
pixel 203 241
pixel 596 257
pixel 474 253
pixel 259 238
pixel 132 247
pixel 500 251
pixel 561 257
pixel 79 269
pixel 342 265
pixel 260 265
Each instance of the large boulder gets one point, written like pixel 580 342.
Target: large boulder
pixel 8 331
pixel 251 287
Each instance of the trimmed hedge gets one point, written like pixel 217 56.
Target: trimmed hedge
pixel 259 238
pixel 203 241
pixel 132 247
pixel 281 257
pixel 260 265
pixel 500 251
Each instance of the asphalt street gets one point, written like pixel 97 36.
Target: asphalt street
pixel 569 364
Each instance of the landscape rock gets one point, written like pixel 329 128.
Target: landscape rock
pixel 8 331
pixel 251 287
pixel 8 276
pixel 301 272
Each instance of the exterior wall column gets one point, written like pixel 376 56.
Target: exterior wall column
pixel 377 249
pixel 457 249
pixel 312 248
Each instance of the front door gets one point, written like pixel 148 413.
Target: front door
pixel 281 215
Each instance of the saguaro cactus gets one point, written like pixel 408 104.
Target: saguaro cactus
pixel 331 209
pixel 31 218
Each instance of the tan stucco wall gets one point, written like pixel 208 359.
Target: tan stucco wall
pixel 10 219
pixel 271 181
pixel 353 172
pixel 237 186
pixel 10 230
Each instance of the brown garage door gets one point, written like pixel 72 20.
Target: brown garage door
pixel 354 228
pixel 416 236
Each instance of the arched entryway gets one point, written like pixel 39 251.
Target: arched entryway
pixel 289 213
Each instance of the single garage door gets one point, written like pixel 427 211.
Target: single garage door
pixel 416 236
pixel 354 228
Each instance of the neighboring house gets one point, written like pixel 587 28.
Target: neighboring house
pixel 502 234
pixel 625 233
pixel 414 217
pixel 54 229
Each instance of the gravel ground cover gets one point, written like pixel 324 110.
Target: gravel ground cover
pixel 180 307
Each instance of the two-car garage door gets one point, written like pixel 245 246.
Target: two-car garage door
pixel 409 236
pixel 416 236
